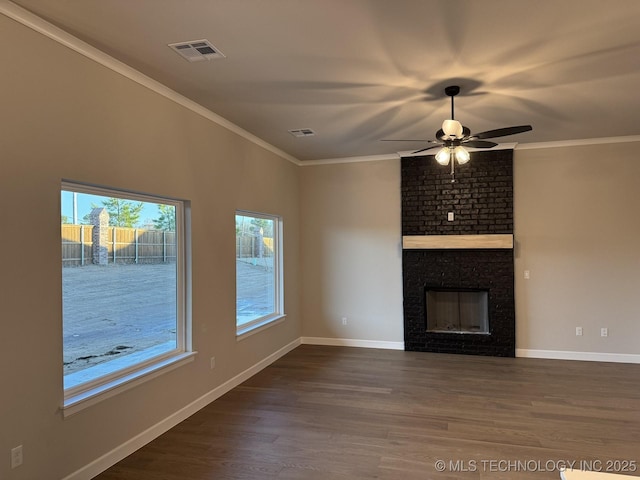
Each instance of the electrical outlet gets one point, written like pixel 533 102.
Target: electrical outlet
pixel 527 274
pixel 344 320
pixel 604 332
pixel 213 362
pixel 578 331
pixel 450 216
pixel 16 456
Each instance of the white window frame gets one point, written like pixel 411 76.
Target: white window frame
pixel 85 394
pixel 278 314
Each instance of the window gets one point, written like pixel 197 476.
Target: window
pixel 123 288
pixel 258 270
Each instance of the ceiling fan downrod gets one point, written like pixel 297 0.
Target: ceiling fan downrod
pixel 452 91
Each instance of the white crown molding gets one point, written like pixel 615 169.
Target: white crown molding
pixel 56 34
pixel 38 24
pixel 392 156
pixel 367 158
pixel 501 146
pixel 578 143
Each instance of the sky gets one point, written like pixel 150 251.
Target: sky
pixel 84 200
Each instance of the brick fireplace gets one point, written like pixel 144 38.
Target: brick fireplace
pixel 471 253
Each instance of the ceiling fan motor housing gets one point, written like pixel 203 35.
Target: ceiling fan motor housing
pixel 452 90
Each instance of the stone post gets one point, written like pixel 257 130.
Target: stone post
pixel 100 237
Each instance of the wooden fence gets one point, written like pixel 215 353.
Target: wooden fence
pixel 125 245
pixel 249 246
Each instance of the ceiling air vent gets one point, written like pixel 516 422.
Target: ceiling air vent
pixel 197 50
pixel 302 132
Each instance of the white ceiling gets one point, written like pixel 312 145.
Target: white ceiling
pixel 357 71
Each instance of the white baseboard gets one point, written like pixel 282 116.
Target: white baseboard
pixel 351 342
pixel 584 356
pixel 114 456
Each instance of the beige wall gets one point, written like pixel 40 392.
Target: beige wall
pixel 352 257
pixel 64 116
pixel 577 228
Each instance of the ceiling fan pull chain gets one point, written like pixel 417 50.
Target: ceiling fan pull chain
pixel 453 168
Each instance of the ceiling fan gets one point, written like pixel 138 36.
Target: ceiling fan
pixel 453 137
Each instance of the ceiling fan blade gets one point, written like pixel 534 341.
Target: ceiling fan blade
pixel 503 132
pixel 479 144
pixel 424 149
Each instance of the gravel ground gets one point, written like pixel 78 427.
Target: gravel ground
pixel 114 310
pixel 111 311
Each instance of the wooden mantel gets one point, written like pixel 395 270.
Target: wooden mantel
pixel 456 241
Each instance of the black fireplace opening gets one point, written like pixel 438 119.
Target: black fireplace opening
pixel 464 311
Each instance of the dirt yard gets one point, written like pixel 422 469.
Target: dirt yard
pixel 116 313
pixel 124 309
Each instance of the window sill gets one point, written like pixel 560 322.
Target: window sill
pixel 244 332
pixel 82 400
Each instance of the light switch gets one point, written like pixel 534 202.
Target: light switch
pixel 450 216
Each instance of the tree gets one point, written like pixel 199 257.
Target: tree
pixel 166 218
pixel 252 225
pixel 264 224
pixel 65 219
pixel 123 213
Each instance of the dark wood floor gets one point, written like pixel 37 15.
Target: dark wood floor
pixel 323 413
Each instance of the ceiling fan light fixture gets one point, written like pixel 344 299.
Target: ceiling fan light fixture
pixel 452 128
pixel 443 156
pixel 453 136
pixel 462 155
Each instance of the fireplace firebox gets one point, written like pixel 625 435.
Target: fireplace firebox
pixel 457 311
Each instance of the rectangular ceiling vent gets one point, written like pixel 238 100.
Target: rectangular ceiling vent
pixel 302 132
pixel 196 50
